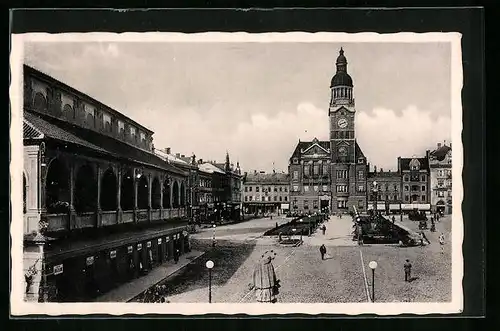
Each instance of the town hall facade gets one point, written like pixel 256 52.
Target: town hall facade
pixel 331 176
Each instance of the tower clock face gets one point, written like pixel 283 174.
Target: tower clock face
pixel 342 151
pixel 342 123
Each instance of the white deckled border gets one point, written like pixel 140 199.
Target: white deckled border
pixel 19 307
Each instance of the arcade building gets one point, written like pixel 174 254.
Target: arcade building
pixel 100 208
pixel 330 176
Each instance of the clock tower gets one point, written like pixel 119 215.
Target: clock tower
pixel 341 113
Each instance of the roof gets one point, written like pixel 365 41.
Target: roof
pixel 210 168
pixel 441 152
pixel 385 174
pixel 69 133
pixel 267 178
pixel 303 145
pixel 38 73
pixel 405 163
pixel 169 157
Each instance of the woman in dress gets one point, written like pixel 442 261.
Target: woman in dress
pixel 264 280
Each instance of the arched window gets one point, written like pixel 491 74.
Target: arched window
pixel 166 194
pixel 40 102
pixel 24 193
pixel 108 190
pixel 85 190
pixel 57 195
pixel 183 195
pixel 127 191
pixel 156 194
pixel 143 193
pixel 175 195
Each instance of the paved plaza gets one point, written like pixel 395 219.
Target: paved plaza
pixel 305 278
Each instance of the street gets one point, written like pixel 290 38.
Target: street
pixel 344 277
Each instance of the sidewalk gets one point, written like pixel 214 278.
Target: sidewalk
pixel 338 233
pixel 130 290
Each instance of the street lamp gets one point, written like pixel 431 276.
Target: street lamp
pixel 213 238
pixel 375 193
pixel 209 265
pixel 373 266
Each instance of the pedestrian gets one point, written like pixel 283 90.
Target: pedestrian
pixel 407 268
pixel 264 280
pixel 323 228
pixel 441 242
pixel 421 237
pixel 425 238
pixel 176 256
pixel 276 225
pixel 393 219
pixel 322 250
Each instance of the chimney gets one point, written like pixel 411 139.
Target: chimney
pixel 255 172
pixel 381 170
pixel 167 150
pixel 200 161
pixel 177 155
pixel 374 168
pixel 439 145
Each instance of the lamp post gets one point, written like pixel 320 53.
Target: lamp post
pixel 373 266
pixel 213 238
pixel 375 198
pixel 209 265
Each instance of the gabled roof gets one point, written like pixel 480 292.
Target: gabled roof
pixel 69 133
pixel 304 145
pixel 405 163
pixel 169 157
pixel 441 152
pixel 359 152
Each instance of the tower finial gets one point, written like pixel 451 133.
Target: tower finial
pixel 341 52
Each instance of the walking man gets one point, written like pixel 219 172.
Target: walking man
pixel 407 268
pixel 393 219
pixel 323 228
pixel 441 242
pixel 322 250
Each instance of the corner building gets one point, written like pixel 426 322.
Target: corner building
pixel 331 175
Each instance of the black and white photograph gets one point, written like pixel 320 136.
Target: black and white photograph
pixel 236 173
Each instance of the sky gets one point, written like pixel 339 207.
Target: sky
pixel 256 100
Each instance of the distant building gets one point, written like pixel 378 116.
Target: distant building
pixel 440 164
pixel 330 176
pixel 266 192
pixel 415 182
pixel 387 196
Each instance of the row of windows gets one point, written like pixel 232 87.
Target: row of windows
pixel 441 194
pixel 444 172
pixel 343 134
pixel 395 187
pixel 92 118
pixel 326 188
pixel 415 188
pixel 414 198
pixel 264 199
pixel 388 197
pixel 407 178
pixel 266 189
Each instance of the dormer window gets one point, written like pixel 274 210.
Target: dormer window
pixel 133 133
pixel 121 128
pixel 360 160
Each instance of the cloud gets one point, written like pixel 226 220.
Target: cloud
pixel 383 135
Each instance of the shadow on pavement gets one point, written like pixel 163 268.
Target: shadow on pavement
pixel 227 258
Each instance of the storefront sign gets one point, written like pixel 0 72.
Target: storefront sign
pixel 148 244
pixel 139 247
pixel 58 269
pixel 159 241
pixel 285 206
pixel 112 254
pixel 130 249
pixel 90 260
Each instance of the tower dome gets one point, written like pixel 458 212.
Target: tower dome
pixel 341 77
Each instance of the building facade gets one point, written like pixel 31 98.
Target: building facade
pixel 415 182
pixel 440 163
pixel 266 193
pixel 93 190
pixel 331 176
pixel 384 191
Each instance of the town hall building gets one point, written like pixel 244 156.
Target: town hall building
pixel 330 176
